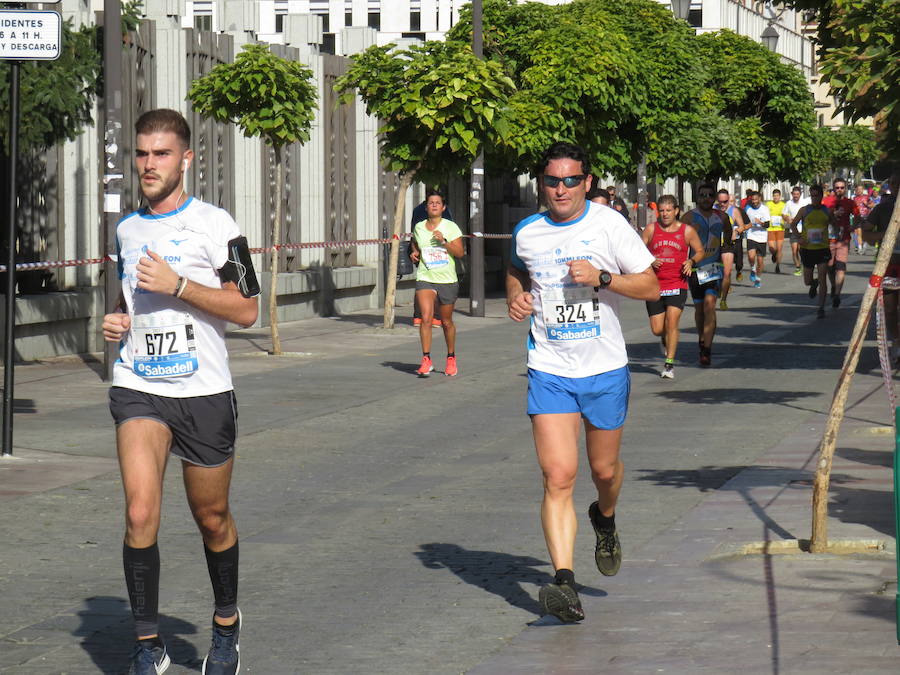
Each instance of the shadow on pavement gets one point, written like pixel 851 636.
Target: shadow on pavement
pixel 402 366
pixel 842 499
pixel 872 508
pixel 736 395
pixel 107 629
pixel 871 457
pixel 498 573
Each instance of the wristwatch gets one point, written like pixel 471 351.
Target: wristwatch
pixel 605 279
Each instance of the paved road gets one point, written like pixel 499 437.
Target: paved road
pixel 389 524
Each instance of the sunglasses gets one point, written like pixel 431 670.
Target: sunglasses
pixel 568 181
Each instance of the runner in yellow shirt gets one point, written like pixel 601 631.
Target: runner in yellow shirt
pixel 776 229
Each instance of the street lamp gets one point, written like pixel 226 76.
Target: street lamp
pixel 769 38
pixel 681 9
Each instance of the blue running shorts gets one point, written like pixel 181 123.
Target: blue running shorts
pixel 601 399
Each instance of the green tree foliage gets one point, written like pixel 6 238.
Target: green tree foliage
pixel 56 98
pixel 768 118
pixel 267 97
pixel 438 105
pixel 624 78
pixel 859 57
pixel 851 148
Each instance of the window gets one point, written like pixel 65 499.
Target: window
pixel 328 43
pixel 375 20
pixel 348 18
pixel 203 15
pixel 415 21
pixel 203 21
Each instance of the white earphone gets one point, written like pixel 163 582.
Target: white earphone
pixel 184 165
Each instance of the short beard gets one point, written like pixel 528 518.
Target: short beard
pixel 165 191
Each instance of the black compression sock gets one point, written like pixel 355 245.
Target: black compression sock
pixel 428 354
pixel 223 573
pixel 451 355
pixel 565 576
pixel 605 522
pixel 142 580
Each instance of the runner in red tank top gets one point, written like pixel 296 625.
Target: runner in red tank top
pixel 669 240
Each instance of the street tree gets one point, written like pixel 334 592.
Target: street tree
pixel 438 105
pixel 267 97
pixel 626 80
pixel 859 57
pixel 767 108
pixel 846 149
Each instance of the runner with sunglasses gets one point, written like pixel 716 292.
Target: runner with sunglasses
pixel 569 266
pixel 714 227
pixel 733 251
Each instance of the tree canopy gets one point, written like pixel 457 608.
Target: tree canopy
pixel 859 57
pixel 625 78
pixel 851 148
pixel 264 94
pixel 437 102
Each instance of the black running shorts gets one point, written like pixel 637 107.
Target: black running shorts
pixel 203 428
pixel 815 256
pixel 758 246
pixel 670 300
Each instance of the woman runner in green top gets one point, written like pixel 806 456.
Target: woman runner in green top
pixel 436 244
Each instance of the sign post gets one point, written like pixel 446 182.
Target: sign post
pixel 25 35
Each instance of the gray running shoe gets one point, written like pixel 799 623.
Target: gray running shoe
pixel 608 551
pixel 224 657
pixel 561 601
pixel 149 658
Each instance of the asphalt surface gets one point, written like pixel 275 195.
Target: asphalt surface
pixel 389 524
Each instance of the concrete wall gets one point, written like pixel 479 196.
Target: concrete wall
pixel 68 322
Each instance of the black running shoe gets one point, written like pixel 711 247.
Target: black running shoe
pixel 224 657
pixel 149 658
pixel 821 313
pixel 561 601
pixel 608 551
pixel 813 288
pixel 836 301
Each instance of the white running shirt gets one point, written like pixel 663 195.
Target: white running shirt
pixel 758 233
pixel 174 349
pixel 792 208
pixel 575 330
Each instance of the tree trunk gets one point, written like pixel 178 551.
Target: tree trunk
pixel 273 264
pixel 818 542
pixel 391 290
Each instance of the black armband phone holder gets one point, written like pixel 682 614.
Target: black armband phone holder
pixel 239 268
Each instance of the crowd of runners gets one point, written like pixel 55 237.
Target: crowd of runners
pixel 186 272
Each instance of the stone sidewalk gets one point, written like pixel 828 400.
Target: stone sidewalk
pixel 692 599
pixel 727 590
